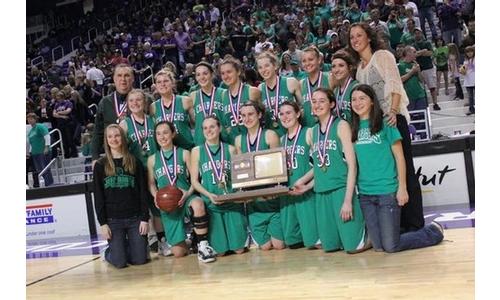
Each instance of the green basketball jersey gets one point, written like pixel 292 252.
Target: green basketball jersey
pixel 307 89
pixel 181 171
pixel 180 118
pixel 335 174
pixel 271 116
pixel 259 206
pixel 199 111
pixel 377 173
pixel 144 145
pixel 235 127
pixel 300 164
pixel 344 101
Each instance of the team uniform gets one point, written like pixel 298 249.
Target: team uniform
pixel 232 120
pixel 298 213
pixel 263 215
pixel 307 89
pixel 343 98
pixel 179 117
pixel 173 222
pixel 142 144
pixel 330 181
pixel 271 116
pixel 202 107
pixel 228 226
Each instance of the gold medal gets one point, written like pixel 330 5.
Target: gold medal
pixel 221 185
pixel 275 124
pixel 323 168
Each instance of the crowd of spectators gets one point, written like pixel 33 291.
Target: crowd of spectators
pixel 178 34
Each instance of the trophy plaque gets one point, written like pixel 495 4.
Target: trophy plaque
pixel 257 174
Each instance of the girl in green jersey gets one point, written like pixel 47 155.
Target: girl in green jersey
pixel 139 129
pixel 298 211
pixel 170 166
pixel 174 108
pixel 342 72
pixel 237 94
pixel 211 176
pixel 207 100
pixel 275 90
pixel 311 62
pixel 339 219
pixel 382 177
pixel 263 215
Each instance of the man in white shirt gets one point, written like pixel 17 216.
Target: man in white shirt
pixel 262 44
pixel 214 14
pixel 377 24
pixel 294 53
pixel 409 4
pixel 95 74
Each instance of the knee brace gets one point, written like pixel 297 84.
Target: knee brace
pixel 199 222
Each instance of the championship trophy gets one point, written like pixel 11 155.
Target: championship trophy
pixel 257 174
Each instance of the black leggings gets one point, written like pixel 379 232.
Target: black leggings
pixel 412 215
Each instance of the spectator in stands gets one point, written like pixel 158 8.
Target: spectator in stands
pixel 82 115
pixel 63 114
pixel 408 38
pixel 411 5
pixel 95 74
pixel 425 51
pixel 377 67
pixel 449 16
pixel 112 108
pixel 214 14
pixel 378 24
pixel 120 201
pixel 468 69
pixel 453 58
pixel 262 44
pixel 440 57
pixel 39 142
pixel 470 38
pixel 426 12
pixel 118 58
pixel 412 79
pixel 395 27
pixel 183 42
pixel 54 73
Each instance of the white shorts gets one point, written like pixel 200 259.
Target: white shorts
pixel 430 78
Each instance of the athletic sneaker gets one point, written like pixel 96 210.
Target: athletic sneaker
pixel 205 253
pixel 164 248
pixel 436 107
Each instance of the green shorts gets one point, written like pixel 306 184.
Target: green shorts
pixel 334 233
pixel 265 220
pixel 155 211
pixel 227 228
pixel 173 222
pixel 298 219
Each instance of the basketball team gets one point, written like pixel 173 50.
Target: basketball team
pixel 345 132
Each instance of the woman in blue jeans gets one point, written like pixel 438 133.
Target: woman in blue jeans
pixel 120 201
pixel 382 177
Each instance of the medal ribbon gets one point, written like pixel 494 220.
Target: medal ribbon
pixel 172 111
pixel 309 87
pixel 295 140
pixel 171 177
pixel 236 112
pixel 259 133
pixel 119 110
pixel 276 98
pixel 341 95
pixel 137 132
pixel 218 174
pixel 322 150
pixel 211 107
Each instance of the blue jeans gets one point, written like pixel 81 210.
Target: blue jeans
pixel 453 36
pixel 382 214
pixel 40 161
pixel 472 102
pixel 417 104
pixel 427 13
pixel 126 244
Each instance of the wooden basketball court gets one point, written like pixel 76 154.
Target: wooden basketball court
pixel 445 271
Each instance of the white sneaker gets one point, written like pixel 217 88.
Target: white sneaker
pixel 103 253
pixel 164 248
pixel 205 253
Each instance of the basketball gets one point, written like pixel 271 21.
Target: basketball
pixel 168 197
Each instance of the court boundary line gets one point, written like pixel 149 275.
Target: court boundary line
pixel 60 272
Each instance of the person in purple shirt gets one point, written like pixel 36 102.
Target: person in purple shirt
pixel 63 114
pixel 183 43
pixel 449 15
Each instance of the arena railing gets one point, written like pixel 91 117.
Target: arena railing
pixel 93 29
pixel 149 77
pixel 422 122
pixel 40 60
pixel 54 52
pixel 72 42
pixel 108 21
pixel 55 159
pixel 93 108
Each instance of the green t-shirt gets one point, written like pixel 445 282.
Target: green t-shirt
pixel 181 171
pixel 235 127
pixel 141 140
pixel 441 56
pixel 335 175
pixel 407 39
pixel 413 87
pixel 271 116
pixel 377 173
pixel 36 138
pixel 395 32
pixel 425 62
pixel 184 137
pixel 307 89
pixel 325 12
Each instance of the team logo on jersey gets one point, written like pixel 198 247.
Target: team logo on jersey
pixel 39 214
